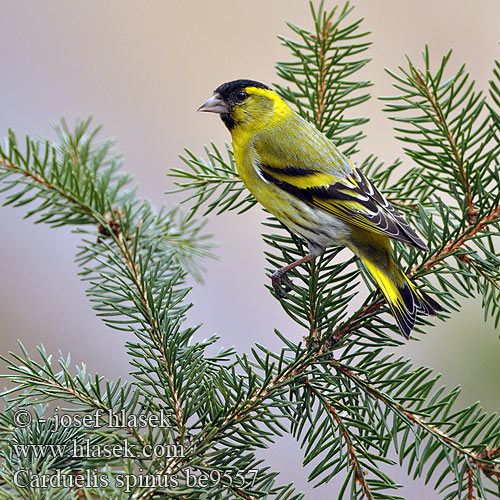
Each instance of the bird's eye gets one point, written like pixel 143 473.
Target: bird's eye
pixel 241 95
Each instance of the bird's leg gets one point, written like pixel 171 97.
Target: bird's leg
pixel 280 277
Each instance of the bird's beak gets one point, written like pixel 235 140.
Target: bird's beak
pixel 215 104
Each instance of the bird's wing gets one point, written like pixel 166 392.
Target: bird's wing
pixel 353 199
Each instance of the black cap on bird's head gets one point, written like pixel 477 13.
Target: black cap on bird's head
pixel 227 96
pixel 229 89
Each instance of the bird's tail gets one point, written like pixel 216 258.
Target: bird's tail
pixel 403 297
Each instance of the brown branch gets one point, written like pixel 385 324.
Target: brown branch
pixel 311 316
pixel 155 331
pixel 47 185
pixel 431 96
pixel 359 473
pixel 402 204
pixel 462 238
pixel 321 41
pixel 259 396
pixel 240 493
pixel 356 319
pixel 470 483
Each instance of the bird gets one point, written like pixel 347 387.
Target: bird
pixel 301 177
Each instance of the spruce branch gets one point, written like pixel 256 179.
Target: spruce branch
pixel 324 61
pixel 455 151
pixel 453 247
pixel 206 177
pixel 475 458
pixel 450 135
pixel 354 450
pixel 348 403
pixel 446 130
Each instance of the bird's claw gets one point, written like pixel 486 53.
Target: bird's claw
pixel 281 284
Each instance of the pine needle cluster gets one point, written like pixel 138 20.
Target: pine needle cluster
pixel 350 404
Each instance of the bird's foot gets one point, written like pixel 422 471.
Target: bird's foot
pixel 281 283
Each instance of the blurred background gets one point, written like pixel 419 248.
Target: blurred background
pixel 141 69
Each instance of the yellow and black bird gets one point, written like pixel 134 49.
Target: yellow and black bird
pixel 300 177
